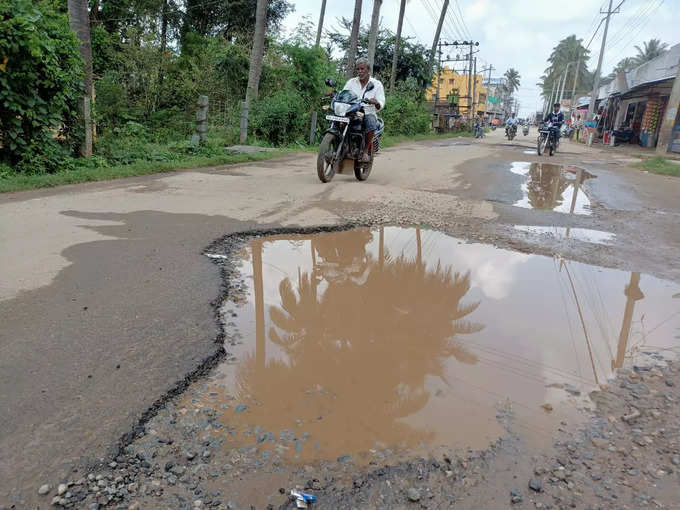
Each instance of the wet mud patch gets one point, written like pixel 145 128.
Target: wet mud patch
pixel 585 235
pixel 366 345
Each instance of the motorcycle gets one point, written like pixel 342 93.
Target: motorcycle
pixel 525 129
pixel 511 132
pixel 478 130
pixel 344 140
pixel 547 138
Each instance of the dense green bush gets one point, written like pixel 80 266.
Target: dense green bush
pixel 40 81
pixel 281 118
pixel 403 116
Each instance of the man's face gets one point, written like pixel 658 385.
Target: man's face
pixel 362 72
pixel 556 109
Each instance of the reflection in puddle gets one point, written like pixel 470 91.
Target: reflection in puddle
pixel 354 342
pixel 530 151
pixel 581 234
pixel 552 187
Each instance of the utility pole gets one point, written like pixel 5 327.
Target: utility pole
pixel 573 89
pixel 548 105
pixel 564 81
pixel 318 31
pixel 474 91
pixel 439 76
pixel 438 33
pixel 488 85
pixel 596 88
pixel 469 84
pixel 668 121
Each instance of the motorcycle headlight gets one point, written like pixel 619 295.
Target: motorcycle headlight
pixel 341 109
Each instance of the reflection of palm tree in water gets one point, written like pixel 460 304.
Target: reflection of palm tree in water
pixel 546 185
pixel 369 345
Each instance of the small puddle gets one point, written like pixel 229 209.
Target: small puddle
pixel 366 342
pixel 552 187
pixel 581 234
pixel 530 151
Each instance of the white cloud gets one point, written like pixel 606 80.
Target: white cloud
pixel 521 33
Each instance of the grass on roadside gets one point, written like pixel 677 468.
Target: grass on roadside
pixel 659 165
pixel 19 182
pixel 90 170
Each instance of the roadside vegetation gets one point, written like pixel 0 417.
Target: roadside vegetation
pixel 659 165
pixel 151 60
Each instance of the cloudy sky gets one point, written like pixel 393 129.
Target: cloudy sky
pixel 519 33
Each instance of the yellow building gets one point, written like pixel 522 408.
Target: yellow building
pixel 454 90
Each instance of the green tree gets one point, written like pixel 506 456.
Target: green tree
pixel 513 79
pixel 650 50
pixel 569 49
pixel 40 81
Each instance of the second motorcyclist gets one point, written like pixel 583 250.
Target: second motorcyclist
pixel 375 97
pixel 511 123
pixel 556 117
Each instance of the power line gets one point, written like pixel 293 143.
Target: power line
pixel 462 20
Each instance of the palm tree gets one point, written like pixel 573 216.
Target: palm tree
pixel 353 39
pixel 512 76
pixel 652 49
pixel 256 55
pixel 79 21
pixel 373 34
pixel 397 41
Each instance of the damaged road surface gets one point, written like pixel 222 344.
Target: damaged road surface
pixel 500 331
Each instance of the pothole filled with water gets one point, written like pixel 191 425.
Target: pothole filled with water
pixel 552 187
pixel 364 342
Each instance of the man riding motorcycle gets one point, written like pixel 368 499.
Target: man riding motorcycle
pixel 375 97
pixel 557 118
pixel 512 121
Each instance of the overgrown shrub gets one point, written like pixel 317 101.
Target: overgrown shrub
pixel 280 118
pixel 406 112
pixel 40 81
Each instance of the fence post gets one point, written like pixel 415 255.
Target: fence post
pixel 312 129
pixel 201 133
pixel 245 106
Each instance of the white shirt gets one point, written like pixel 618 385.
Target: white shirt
pixel 511 121
pixel 378 92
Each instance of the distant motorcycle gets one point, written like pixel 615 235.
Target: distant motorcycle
pixel 511 132
pixel 525 129
pixel 344 140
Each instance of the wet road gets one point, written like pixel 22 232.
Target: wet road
pixel 105 295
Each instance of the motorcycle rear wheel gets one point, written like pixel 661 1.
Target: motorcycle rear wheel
pixel 325 169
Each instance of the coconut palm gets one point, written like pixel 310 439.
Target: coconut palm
pixel 512 76
pixel 79 21
pixel 354 39
pixel 397 42
pixel 651 49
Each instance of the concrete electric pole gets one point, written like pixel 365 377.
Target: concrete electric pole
pixel 596 88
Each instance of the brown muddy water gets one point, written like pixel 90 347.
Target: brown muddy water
pixel 552 187
pixel 364 343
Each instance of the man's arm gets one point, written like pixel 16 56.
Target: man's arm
pixel 380 94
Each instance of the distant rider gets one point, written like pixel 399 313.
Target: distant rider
pixel 376 97
pixel 512 121
pixel 557 119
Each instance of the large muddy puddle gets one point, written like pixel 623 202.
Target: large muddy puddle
pixel 366 342
pixel 552 187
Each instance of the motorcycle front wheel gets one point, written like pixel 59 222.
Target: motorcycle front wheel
pixel 325 168
pixel 542 141
pixel 362 170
